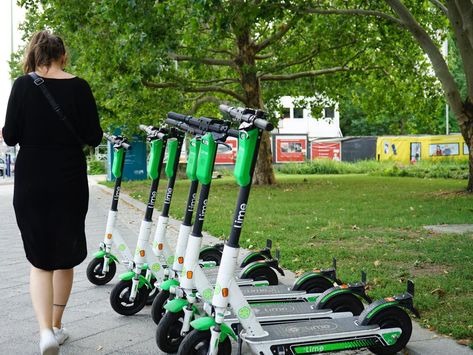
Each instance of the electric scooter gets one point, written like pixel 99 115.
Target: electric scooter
pixel 258 273
pixel 102 267
pixel 131 294
pixel 176 322
pixel 383 327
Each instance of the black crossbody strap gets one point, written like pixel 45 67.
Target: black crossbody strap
pixel 39 82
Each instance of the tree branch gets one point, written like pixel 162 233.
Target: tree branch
pixel 442 72
pixel 194 89
pixel 359 12
pixel 209 61
pixel 202 100
pixel 264 56
pixel 278 35
pixel 306 74
pixel 441 6
pixel 223 81
pixel 465 8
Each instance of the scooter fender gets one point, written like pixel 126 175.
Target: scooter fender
pixel 257 265
pixel 307 276
pixel 101 254
pixel 205 323
pixel 127 276
pixel 329 294
pixel 178 304
pixel 166 285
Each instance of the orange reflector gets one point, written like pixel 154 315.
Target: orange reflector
pixel 180 260
pixel 109 236
pixel 344 286
pixel 142 253
pixel 389 299
pixel 189 274
pixel 225 292
pixel 160 246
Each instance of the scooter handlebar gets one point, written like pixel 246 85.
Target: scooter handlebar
pixel 152 132
pixel 246 115
pixel 184 127
pixel 117 141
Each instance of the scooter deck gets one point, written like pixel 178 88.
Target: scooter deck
pixel 274 292
pixel 240 282
pixel 290 312
pixel 214 270
pixel 314 330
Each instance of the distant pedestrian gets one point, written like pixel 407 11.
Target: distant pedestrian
pixel 51 190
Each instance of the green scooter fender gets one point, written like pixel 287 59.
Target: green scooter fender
pixel 101 253
pixel 205 323
pixel 127 276
pixel 178 304
pixel 166 285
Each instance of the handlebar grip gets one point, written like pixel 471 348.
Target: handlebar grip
pixel 233 133
pixel 263 124
pixel 184 127
pixel 224 108
pixel 177 116
pixel 117 141
pixel 109 137
pixel 126 146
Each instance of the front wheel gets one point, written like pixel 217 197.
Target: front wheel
pixel 157 308
pixel 120 298
pixel 153 292
pixel 94 272
pixel 198 342
pixel 394 317
pixel 168 333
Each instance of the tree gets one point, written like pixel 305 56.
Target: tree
pixel 429 22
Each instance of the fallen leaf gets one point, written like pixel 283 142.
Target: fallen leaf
pixel 100 347
pixel 465 342
pixel 439 292
pixel 377 263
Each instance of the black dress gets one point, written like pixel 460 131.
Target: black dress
pixel 51 191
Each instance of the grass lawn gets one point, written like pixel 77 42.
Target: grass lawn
pixel 368 223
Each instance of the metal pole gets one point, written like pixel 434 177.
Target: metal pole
pixel 446 120
pixel 445 53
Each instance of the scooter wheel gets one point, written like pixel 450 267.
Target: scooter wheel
pixel 157 308
pixel 263 273
pixel 168 333
pixel 390 318
pixel 211 255
pixel 251 257
pixel 198 342
pixel 152 293
pixel 94 272
pixel 315 285
pixel 120 298
pixel 345 303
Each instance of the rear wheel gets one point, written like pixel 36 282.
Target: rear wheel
pixel 263 273
pixel 120 298
pixel 211 254
pixel 345 303
pixel 393 317
pixel 316 284
pixel 168 333
pixel 198 342
pixel 251 257
pixel 157 308
pixel 94 272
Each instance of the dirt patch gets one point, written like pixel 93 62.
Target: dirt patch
pixel 450 194
pixel 429 269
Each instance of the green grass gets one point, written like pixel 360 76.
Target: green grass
pixel 369 223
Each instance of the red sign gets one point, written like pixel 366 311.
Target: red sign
pixel 325 150
pixel 225 155
pixel 290 149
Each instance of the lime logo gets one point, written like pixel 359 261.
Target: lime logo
pixel 155 267
pixel 218 288
pixel 207 294
pixel 122 247
pixel 244 312
pixel 170 260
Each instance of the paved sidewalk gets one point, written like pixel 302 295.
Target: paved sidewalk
pixel 95 328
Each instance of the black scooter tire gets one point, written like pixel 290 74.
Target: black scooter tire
pixel 197 342
pixel 345 303
pixel 263 274
pixel 168 333
pixel 315 285
pixel 211 255
pixel 152 293
pixel 120 302
pixel 388 318
pixel 94 272
pixel 157 308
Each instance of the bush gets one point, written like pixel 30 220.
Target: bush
pixel 96 167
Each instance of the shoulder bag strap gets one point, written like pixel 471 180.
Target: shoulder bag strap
pixel 39 82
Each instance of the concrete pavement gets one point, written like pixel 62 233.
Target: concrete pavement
pixel 94 327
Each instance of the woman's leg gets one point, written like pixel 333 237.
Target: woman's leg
pixel 41 290
pixel 62 285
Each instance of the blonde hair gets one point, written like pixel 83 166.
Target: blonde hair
pixel 43 49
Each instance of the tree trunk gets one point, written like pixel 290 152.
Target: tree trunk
pixel 264 174
pixel 466 127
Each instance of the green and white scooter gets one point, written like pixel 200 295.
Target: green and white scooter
pixel 103 266
pixel 344 301
pixel 260 274
pixel 384 327
pixel 131 294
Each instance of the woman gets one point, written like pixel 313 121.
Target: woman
pixel 51 190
